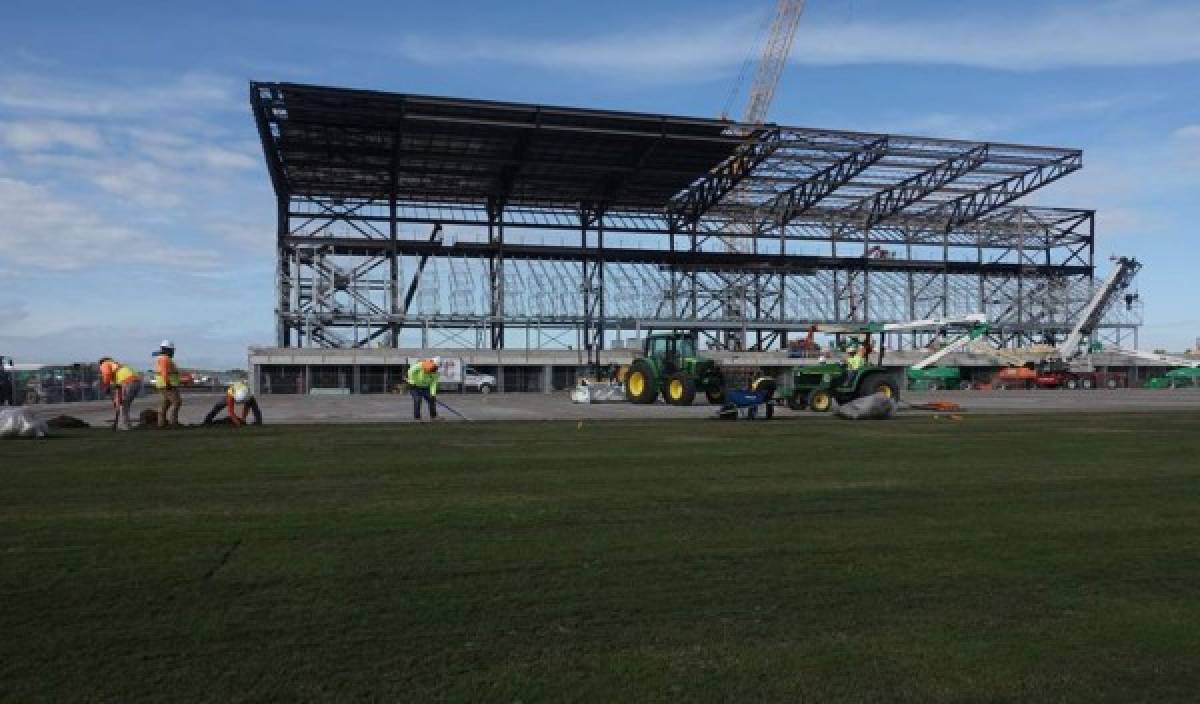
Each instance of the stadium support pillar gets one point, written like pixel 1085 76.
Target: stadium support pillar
pixel 284 274
pixel 592 263
pixel 496 273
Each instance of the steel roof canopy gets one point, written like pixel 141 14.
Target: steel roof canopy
pixel 339 142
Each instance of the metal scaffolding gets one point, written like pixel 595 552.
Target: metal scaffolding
pixel 489 224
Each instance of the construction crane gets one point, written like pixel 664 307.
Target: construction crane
pixel 778 47
pixel 774 58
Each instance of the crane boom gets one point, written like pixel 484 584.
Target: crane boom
pixel 774 59
pixel 1118 280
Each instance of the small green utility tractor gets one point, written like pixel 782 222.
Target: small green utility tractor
pixel 669 364
pixel 817 387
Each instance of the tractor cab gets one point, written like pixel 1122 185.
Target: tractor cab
pixel 669 349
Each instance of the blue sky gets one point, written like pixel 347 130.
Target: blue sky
pixel 135 205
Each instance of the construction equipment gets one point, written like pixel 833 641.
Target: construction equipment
pixel 769 70
pixel 817 387
pixel 1119 279
pixel 772 62
pixel 747 403
pixel 924 376
pixel 670 365
pixel 1182 378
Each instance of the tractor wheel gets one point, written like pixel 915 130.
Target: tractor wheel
pixel 640 386
pixel 1087 383
pixel 878 384
pixel 1072 384
pixel 715 395
pixel 680 389
pixel 820 401
pixel 797 401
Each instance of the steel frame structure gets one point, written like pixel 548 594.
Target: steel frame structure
pixel 470 221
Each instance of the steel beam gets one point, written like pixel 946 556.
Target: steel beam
pixel 890 201
pixel 697 200
pixel 797 200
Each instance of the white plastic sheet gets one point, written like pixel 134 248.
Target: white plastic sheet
pixel 21 423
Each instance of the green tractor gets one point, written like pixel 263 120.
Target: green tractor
pixel 669 365
pixel 817 387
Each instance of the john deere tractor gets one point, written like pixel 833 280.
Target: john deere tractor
pixel 818 386
pixel 669 365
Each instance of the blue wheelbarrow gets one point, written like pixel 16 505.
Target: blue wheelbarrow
pixel 750 403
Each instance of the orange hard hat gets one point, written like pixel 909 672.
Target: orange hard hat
pixel 429 366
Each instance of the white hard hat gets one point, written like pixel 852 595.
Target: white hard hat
pixel 167 344
pixel 241 394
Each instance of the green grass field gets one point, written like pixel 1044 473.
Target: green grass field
pixel 1050 558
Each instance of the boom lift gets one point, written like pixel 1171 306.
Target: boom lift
pixel 1119 279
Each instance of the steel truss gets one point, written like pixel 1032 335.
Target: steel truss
pixel 484 225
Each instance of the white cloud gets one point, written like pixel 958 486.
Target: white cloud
pixel 45 231
pixel 188 92
pixel 1189 133
pixel 32 136
pixel 699 49
pixel 1088 34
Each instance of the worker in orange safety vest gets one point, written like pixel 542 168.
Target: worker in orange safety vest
pixel 166 380
pixel 125 384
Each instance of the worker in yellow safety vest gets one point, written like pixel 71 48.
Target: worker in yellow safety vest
pixel 235 393
pixel 422 384
pixel 855 358
pixel 125 384
pixel 166 380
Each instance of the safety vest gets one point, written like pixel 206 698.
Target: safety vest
pixel 855 362
pixel 232 390
pixel 114 372
pixel 168 373
pixel 125 375
pixel 422 379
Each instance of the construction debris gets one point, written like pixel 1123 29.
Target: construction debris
pixel 21 423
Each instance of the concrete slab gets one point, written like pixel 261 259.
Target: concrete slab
pixel 538 406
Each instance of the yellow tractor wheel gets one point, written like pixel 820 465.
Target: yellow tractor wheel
pixel 681 389
pixel 640 385
pixel 820 401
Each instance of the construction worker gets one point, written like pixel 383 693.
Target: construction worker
pixel 166 380
pixel 422 384
pixel 125 384
pixel 235 393
pixel 855 358
pixel 6 384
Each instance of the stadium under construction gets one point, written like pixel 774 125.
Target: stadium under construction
pixel 549 237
